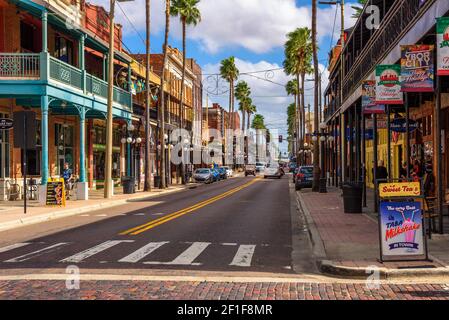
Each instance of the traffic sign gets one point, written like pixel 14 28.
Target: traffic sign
pixel 6 123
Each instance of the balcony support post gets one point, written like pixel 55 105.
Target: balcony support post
pixel 82 66
pixel 44 139
pixel 44 19
pixel 82 186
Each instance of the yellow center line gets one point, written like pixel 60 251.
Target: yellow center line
pixel 154 223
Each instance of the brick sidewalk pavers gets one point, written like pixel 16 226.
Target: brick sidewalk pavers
pixel 349 240
pixel 172 290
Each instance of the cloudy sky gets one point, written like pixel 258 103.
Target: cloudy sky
pixel 254 31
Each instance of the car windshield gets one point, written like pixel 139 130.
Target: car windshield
pixel 259 164
pixel 202 171
pixel 306 170
pixel 273 165
pixel 226 168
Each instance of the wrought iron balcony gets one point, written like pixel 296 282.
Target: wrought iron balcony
pixel 41 66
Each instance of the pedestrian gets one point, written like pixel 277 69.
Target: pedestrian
pixel 382 172
pixel 403 172
pixel 67 175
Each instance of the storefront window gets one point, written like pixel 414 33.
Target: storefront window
pixel 64 49
pixel 4 151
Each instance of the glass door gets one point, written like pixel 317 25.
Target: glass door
pixel 4 151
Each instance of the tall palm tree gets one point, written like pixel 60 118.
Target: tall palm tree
pixel 298 59
pixel 316 150
pixel 292 89
pixel 162 99
pixel 242 93
pixel 251 110
pixel 358 8
pixel 189 14
pixel 147 184
pixel 230 73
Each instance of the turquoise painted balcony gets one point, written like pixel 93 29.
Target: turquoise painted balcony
pixel 32 74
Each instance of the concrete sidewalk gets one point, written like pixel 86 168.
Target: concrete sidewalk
pixel 12 216
pixel 348 244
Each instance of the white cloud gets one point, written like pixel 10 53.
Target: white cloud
pixel 256 25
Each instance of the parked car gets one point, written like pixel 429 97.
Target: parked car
pixel 229 172
pixel 250 169
pixel 215 174
pixel 260 166
pixel 272 171
pixel 304 177
pixel 203 175
pixel 223 173
pixel 292 166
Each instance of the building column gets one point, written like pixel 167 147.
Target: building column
pixel 81 55
pixel 82 187
pixel 44 19
pixel 44 139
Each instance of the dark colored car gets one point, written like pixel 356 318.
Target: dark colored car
pixel 304 177
pixel 292 166
pixel 223 173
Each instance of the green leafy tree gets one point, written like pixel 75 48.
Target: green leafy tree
pixel 258 122
pixel 230 73
pixel 251 110
pixel 358 8
pixel 242 94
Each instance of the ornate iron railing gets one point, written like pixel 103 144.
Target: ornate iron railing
pixel 19 65
pixel 64 72
pixel 395 24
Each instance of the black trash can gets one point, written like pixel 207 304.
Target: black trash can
pixel 352 197
pixel 157 181
pixel 128 185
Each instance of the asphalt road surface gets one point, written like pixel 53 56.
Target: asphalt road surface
pixel 241 224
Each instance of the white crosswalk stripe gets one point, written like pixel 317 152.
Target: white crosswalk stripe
pixel 37 252
pixel 243 256
pixel 13 246
pixel 188 256
pixel 141 253
pixel 79 257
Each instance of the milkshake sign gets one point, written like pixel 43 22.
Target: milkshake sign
pixel 401 229
pixel 388 84
pixel 443 46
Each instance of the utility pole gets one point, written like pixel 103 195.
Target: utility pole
pixel 108 184
pixel 147 185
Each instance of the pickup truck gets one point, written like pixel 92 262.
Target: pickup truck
pixel 250 169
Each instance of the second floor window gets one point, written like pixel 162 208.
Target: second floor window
pixel 64 49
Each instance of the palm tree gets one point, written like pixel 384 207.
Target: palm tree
pixel 291 124
pixel 230 73
pixel 358 8
pixel 316 150
pixel 162 99
pixel 258 122
pixel 251 110
pixel 189 15
pixel 298 58
pixel 292 89
pixel 242 93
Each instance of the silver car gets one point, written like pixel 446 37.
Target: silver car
pixel 272 171
pixel 203 175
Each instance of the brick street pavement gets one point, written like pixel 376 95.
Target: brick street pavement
pixel 171 290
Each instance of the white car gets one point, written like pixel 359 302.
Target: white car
pixel 260 166
pixel 229 172
pixel 272 171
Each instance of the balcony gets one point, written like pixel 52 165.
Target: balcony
pixel 41 67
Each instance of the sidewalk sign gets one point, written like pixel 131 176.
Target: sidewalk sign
pixel 401 222
pixel 55 192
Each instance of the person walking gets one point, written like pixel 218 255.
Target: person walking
pixel 382 172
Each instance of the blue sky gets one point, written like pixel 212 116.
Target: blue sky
pixel 251 30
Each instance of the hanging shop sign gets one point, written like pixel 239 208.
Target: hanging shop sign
pixel 388 84
pixel 369 134
pixel 55 192
pixel 443 46
pixel 417 68
pixel 6 123
pixel 400 125
pixel 401 231
pixel 369 98
pixel 399 189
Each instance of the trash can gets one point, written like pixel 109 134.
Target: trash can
pixel 352 197
pixel 157 181
pixel 128 185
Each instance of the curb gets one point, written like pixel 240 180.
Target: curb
pixel 75 211
pixel 330 268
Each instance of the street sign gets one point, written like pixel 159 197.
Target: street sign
pixel 6 123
